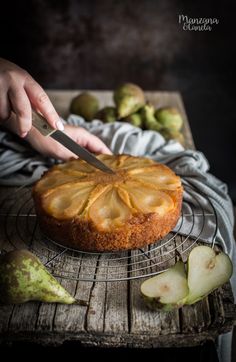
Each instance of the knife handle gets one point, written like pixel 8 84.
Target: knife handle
pixel 40 123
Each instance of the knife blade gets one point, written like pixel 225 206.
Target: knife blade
pixel 41 124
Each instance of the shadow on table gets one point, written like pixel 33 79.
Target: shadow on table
pixel 72 350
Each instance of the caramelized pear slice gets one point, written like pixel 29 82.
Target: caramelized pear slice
pixel 109 210
pixel 147 199
pixel 207 271
pixel 53 180
pixel 109 160
pixel 68 200
pixel 160 177
pixel 165 291
pixel 81 167
pixel 127 162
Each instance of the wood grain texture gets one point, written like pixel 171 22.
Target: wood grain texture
pixel 115 315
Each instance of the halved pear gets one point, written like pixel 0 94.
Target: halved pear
pixel 207 270
pixel 166 291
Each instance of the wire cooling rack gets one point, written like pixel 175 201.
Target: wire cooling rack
pixel 198 221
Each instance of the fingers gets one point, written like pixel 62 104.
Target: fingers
pixel 41 102
pixel 94 144
pixel 5 110
pixel 89 141
pixel 47 146
pixel 51 148
pixel 21 107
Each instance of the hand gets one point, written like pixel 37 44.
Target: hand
pixel 51 148
pixel 19 91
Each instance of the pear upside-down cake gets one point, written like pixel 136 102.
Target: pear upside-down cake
pixel 84 208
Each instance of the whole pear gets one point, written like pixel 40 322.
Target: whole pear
pixel 148 117
pixel 24 278
pixel 135 119
pixel 107 114
pixel 128 99
pixel 85 105
pixel 169 134
pixel 170 118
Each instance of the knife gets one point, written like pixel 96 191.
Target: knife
pixel 41 124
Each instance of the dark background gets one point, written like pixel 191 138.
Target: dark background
pixel 99 44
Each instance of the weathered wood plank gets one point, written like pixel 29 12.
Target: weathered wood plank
pixel 108 303
pixel 143 320
pixel 116 320
pixel 195 318
pixel 46 311
pixel 73 318
pixel 24 317
pixel 116 310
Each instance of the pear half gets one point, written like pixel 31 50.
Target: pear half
pixel 166 291
pixel 207 270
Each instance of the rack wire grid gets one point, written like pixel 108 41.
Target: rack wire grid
pixel 198 221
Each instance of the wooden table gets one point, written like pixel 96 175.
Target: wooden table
pixel 115 315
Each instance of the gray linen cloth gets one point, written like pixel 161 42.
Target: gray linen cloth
pixel 20 165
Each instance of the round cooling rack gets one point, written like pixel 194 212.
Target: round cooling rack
pixel 198 221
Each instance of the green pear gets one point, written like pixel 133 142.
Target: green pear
pixel 85 105
pixel 170 118
pixel 207 270
pixel 23 278
pixel 128 98
pixel 135 119
pixel 167 290
pixel 107 114
pixel 149 120
pixel 172 135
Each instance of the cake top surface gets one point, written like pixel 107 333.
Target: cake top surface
pixel 77 190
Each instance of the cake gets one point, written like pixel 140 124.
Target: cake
pixel 84 208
